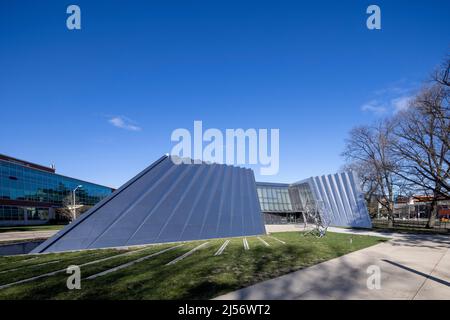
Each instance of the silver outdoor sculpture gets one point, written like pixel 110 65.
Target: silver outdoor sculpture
pixel 314 215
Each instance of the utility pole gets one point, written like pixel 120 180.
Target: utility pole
pixel 73 202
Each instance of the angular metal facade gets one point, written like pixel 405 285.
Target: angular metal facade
pixel 341 200
pixel 168 202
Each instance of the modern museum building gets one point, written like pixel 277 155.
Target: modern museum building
pixel 173 201
pixel 169 202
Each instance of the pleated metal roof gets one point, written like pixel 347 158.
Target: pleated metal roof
pixel 342 199
pixel 168 202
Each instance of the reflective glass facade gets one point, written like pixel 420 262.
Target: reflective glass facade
pixel 27 193
pixel 14 213
pixel 274 197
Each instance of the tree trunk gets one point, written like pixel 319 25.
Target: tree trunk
pixel 391 216
pixel 390 220
pixel 433 214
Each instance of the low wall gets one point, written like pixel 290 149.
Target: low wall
pixel 19 223
pixel 284 227
pixel 19 248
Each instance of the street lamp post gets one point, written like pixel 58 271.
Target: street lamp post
pixel 73 194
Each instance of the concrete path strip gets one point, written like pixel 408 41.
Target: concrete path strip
pixel 129 264
pixel 265 243
pixel 277 239
pixel 64 270
pixel 26 235
pixel 17 261
pixel 49 262
pixel 222 248
pixel 30 266
pixel 246 246
pixel 187 254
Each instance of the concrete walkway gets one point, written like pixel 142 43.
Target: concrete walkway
pixel 271 228
pixel 412 267
pixel 25 235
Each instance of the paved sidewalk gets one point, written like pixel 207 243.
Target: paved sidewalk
pixel 271 228
pixel 25 235
pixel 412 267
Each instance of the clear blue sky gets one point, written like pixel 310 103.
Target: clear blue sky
pixel 311 69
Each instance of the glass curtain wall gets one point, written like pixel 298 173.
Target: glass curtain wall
pixel 276 204
pixel 23 184
pixel 274 199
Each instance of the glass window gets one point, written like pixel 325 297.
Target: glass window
pixel 274 199
pixel 33 185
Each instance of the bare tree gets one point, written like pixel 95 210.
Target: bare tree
pixel 442 74
pixel 367 178
pixel 69 211
pixel 368 150
pixel 410 152
pixel 422 141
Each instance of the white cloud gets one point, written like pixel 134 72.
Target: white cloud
pixel 124 123
pixel 401 103
pixel 374 106
pixel 391 99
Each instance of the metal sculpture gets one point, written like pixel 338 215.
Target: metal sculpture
pixel 314 214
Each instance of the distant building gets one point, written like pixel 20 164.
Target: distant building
pixel 419 207
pixel 414 207
pixel 30 193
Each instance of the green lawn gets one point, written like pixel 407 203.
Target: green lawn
pixel 199 276
pixel 31 228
